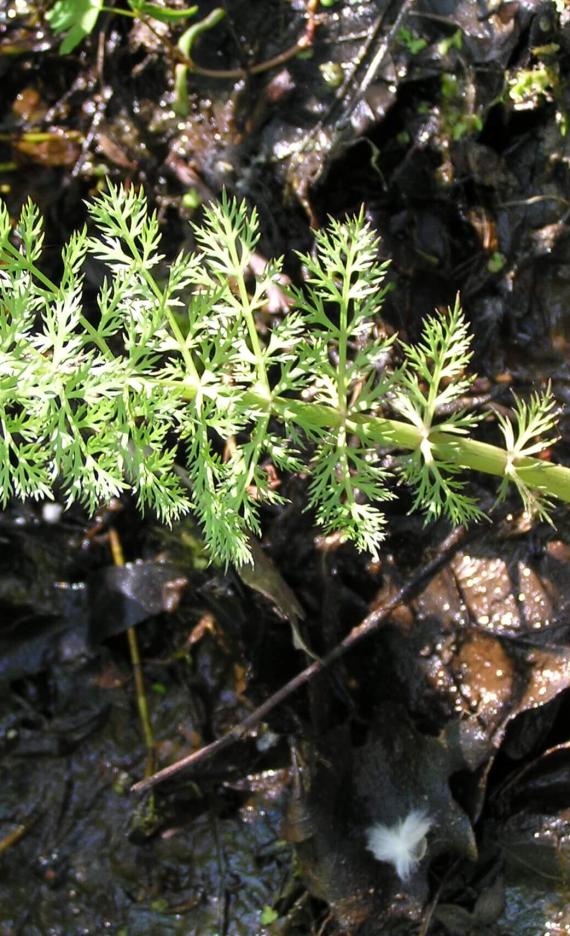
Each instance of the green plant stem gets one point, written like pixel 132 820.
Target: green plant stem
pixel 392 433
pixel 247 312
pixel 52 288
pixel 480 456
pixel 459 450
pixel 463 452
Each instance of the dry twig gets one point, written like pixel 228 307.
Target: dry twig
pixel 366 628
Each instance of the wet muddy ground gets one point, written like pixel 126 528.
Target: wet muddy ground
pixel 449 122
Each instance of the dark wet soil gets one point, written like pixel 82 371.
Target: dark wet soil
pixel 449 122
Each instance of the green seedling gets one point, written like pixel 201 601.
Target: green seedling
pixel 529 85
pixel 455 41
pixel 414 44
pixel 458 117
pixel 76 19
pixel 496 262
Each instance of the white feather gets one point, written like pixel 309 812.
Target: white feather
pixel 403 844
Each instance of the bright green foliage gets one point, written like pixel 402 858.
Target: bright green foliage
pixel 428 387
pixel 342 363
pixel 77 18
pixel 533 431
pixel 168 364
pixel 414 44
pixel 268 916
pixel 162 13
pixel 532 84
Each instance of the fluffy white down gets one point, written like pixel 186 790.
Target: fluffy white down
pixel 403 844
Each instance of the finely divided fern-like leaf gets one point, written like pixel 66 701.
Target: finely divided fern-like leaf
pixel 99 399
pixel 531 432
pixel 431 380
pixel 433 376
pixel 344 480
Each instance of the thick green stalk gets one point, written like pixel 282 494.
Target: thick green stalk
pixel 459 450
pixel 480 456
pixel 393 433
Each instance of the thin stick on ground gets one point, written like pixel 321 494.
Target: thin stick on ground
pixel 142 705
pixel 13 837
pixel 366 628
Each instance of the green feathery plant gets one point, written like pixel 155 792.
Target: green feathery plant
pixel 97 398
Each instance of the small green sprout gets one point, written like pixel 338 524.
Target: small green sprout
pixel 496 262
pixel 455 41
pixel 78 18
pixel 414 44
pixel 529 85
pixel 458 118
pixel 268 916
